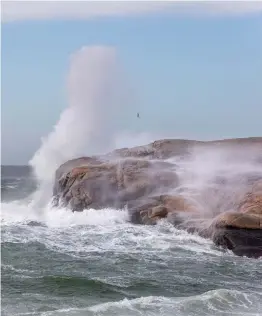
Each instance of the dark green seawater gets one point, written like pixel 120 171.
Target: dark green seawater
pixel 55 262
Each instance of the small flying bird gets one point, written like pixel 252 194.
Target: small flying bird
pixel 138 116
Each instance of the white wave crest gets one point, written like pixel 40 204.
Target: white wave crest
pixel 216 303
pixel 18 213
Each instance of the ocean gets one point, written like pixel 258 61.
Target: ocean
pixel 55 262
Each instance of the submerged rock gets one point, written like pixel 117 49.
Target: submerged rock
pixel 147 182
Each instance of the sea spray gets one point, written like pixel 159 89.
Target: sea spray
pixel 216 178
pixel 89 124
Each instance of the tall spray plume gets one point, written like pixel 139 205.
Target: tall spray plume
pixel 92 120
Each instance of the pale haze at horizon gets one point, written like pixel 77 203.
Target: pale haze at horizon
pixel 197 78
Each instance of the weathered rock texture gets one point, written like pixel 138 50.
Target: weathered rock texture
pixel 144 180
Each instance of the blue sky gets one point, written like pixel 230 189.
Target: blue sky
pixel 190 76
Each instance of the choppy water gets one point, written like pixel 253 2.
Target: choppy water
pixel 97 263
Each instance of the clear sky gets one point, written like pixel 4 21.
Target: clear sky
pixel 193 76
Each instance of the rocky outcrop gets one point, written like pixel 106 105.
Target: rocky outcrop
pixel 241 230
pixel 102 184
pixel 145 181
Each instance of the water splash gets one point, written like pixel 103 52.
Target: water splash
pixel 89 124
pixel 86 126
